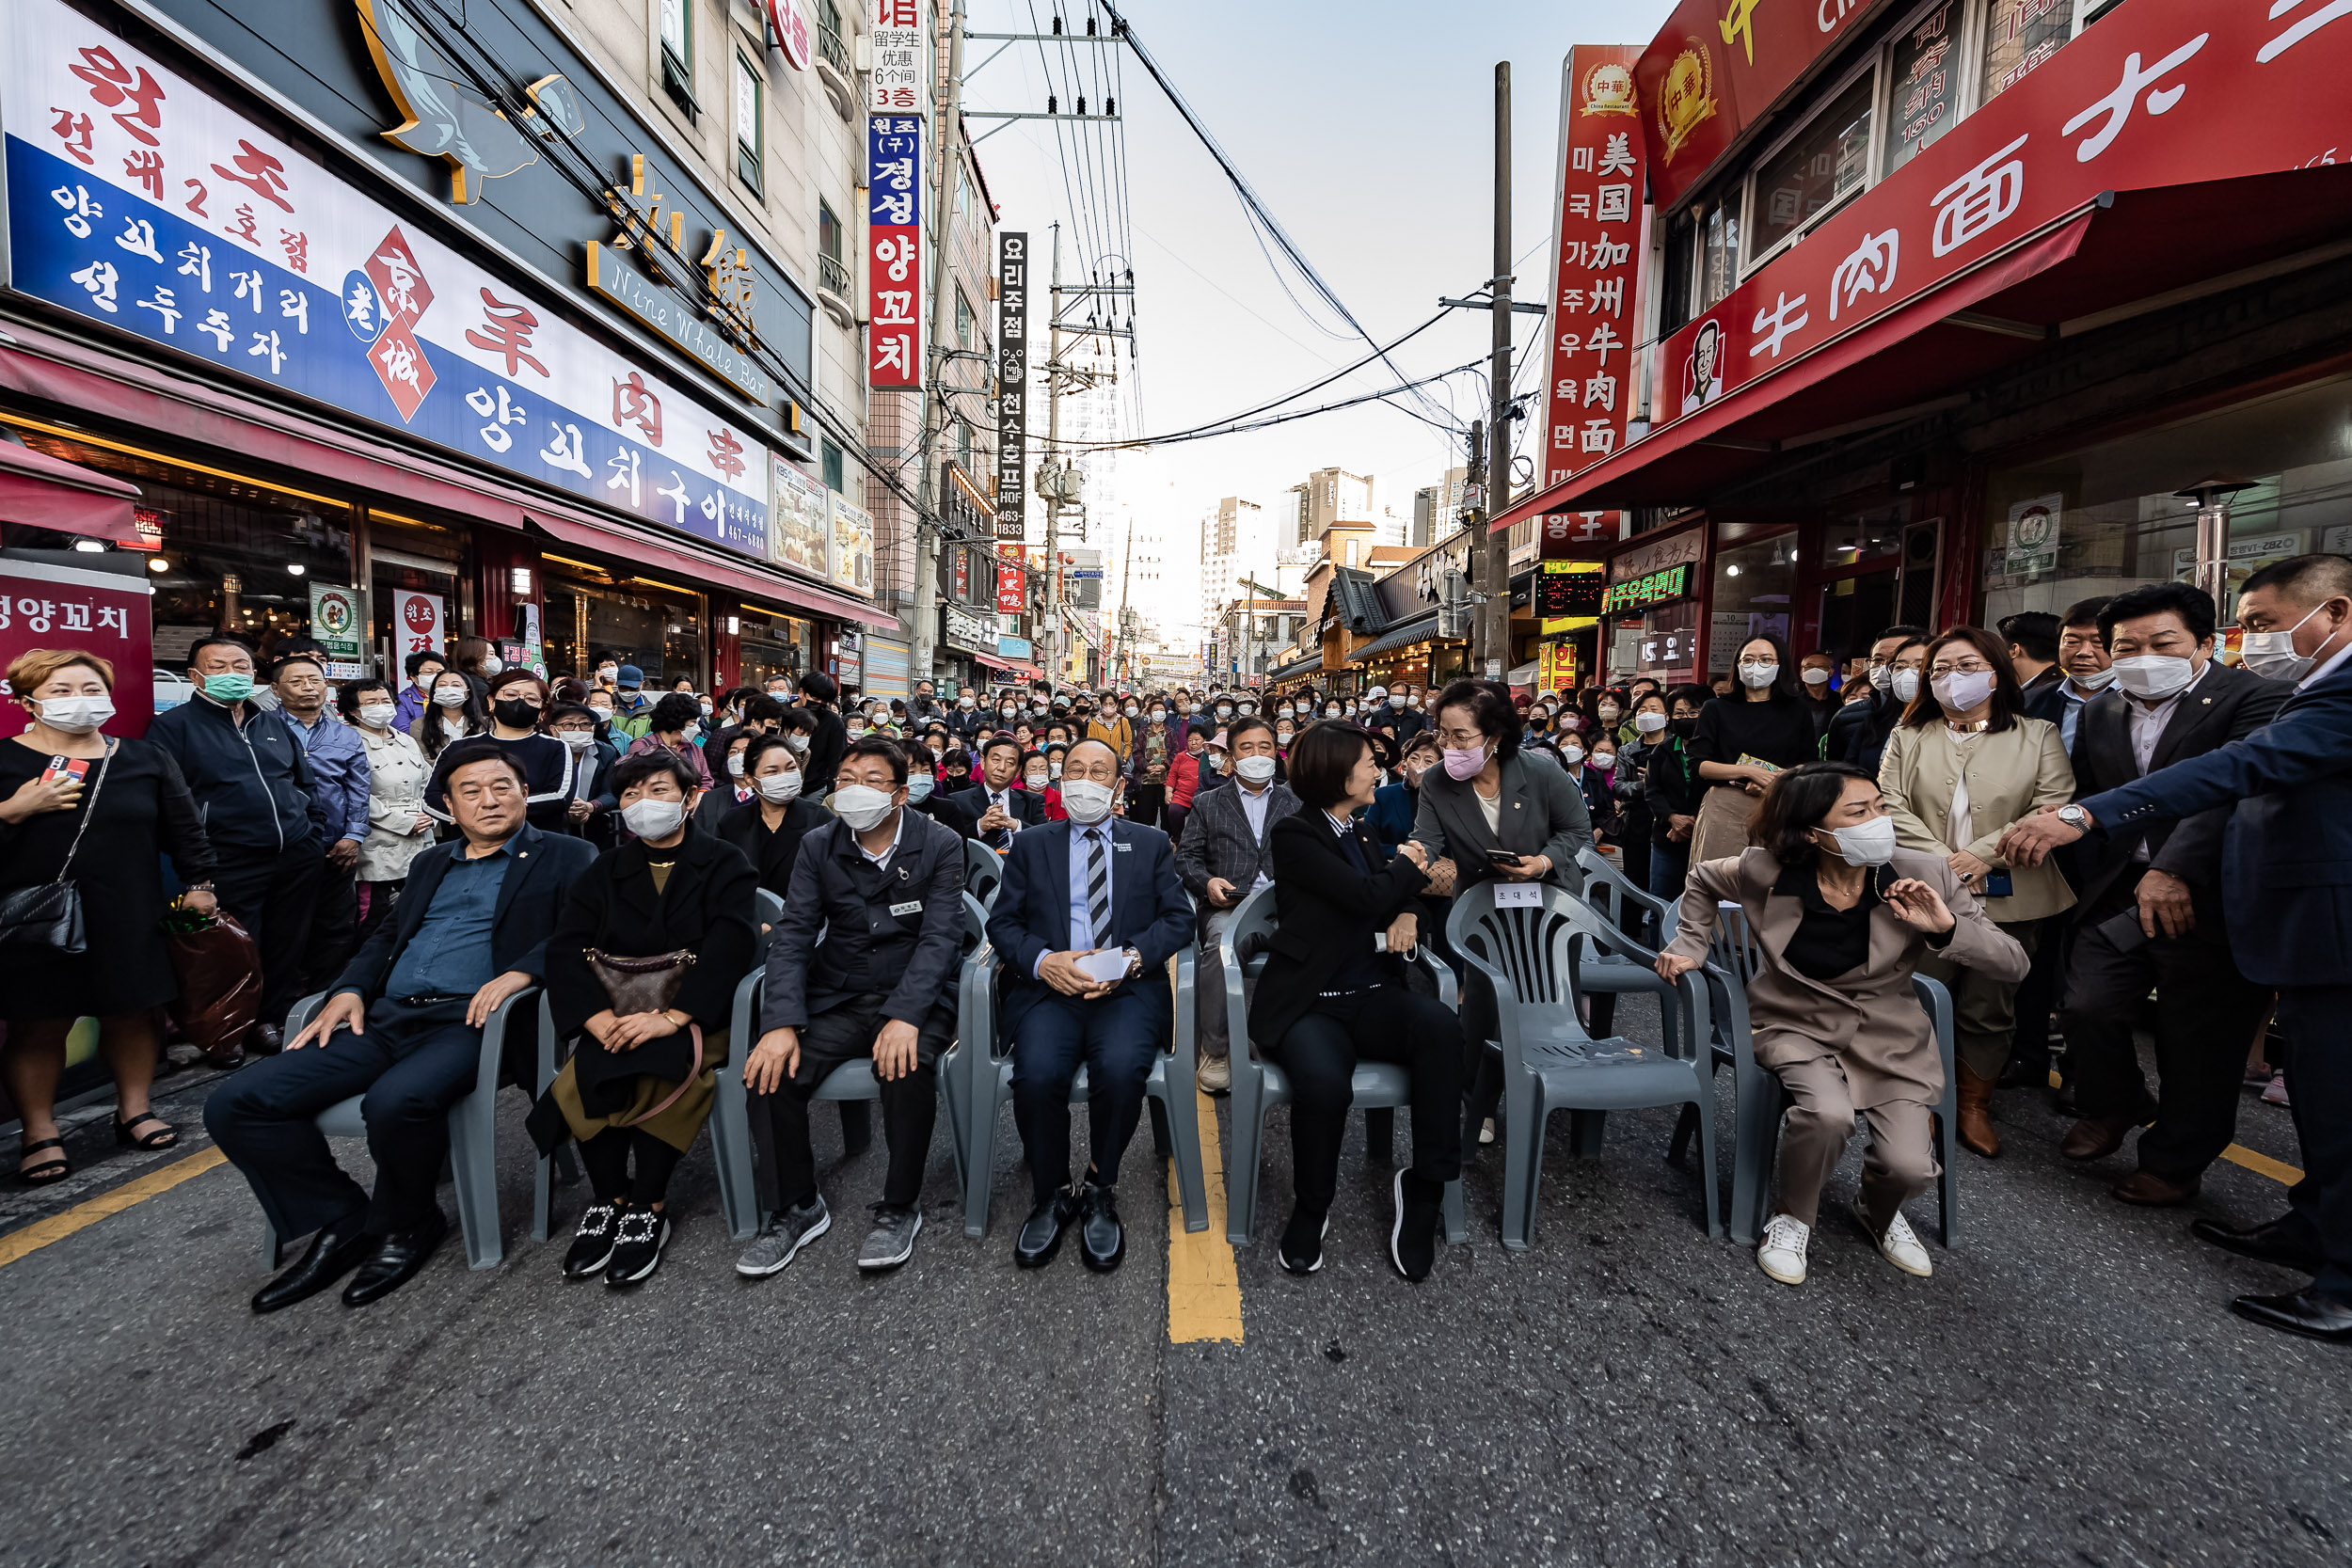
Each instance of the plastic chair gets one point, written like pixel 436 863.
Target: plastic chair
pixel 1168 1092
pixel 1636 911
pixel 473 1137
pixel 983 868
pixel 770 906
pixel 1531 956
pixel 1260 1083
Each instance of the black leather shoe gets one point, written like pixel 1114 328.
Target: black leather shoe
pixel 1101 1241
pixel 396 1260
pixel 334 1252
pixel 1413 1240
pixel 265 1039
pixel 1040 1233
pixel 2306 1312
pixel 2267 1242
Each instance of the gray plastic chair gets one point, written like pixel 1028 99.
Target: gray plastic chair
pixel 1169 1093
pixel 983 869
pixel 1641 915
pixel 1260 1083
pixel 770 906
pixel 473 1137
pixel 1532 958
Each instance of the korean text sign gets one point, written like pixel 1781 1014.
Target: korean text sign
pixel 139 201
pixel 105 613
pixel 894 260
pixel 1013 376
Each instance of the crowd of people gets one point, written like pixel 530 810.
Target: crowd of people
pixel 2055 818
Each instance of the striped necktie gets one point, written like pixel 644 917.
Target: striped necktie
pixel 1098 890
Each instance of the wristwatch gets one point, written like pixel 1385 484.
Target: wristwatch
pixel 2074 817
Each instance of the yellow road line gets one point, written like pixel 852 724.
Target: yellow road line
pixel 57 1228
pixel 2239 1154
pixel 1203 1288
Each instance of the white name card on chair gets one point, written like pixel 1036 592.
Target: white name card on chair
pixel 1518 895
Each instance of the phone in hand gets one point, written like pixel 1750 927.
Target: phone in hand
pixel 76 769
pixel 1501 857
pixel 1998 884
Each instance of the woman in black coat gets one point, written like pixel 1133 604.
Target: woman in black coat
pixel 641 1084
pixel 1333 994
pixel 768 827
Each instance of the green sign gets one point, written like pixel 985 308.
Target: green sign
pixel 1639 593
pixel 335 620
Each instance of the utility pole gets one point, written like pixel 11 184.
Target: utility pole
pixel 1492 646
pixel 1124 640
pixel 924 650
pixel 1052 627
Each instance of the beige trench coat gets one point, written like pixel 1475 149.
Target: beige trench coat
pixel 2011 773
pixel 1867 1018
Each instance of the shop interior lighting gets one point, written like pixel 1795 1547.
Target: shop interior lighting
pixel 90 546
pixel 735 627
pixel 295 568
pixel 66 433
pixel 518 579
pixel 157 564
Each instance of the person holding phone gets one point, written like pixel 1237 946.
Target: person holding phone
pixel 1959 769
pixel 98 813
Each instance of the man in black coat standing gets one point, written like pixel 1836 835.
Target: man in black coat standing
pixel 830 737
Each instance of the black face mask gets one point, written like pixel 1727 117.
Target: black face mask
pixel 1682 726
pixel 516 714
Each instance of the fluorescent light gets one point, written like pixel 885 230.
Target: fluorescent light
pixel 90 546
pixel 296 568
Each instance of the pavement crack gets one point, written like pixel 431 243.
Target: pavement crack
pixel 264 1440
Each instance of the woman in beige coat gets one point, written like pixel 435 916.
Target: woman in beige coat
pixel 1843 919
pixel 1961 765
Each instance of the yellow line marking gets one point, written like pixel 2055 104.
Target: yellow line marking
pixel 1204 1288
pixel 2239 1154
pixel 57 1228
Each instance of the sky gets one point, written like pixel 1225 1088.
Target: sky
pixel 1367 131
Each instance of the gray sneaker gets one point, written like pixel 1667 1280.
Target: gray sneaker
pixel 789 1231
pixel 891 1241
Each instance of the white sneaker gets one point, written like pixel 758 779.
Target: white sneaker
pixel 1486 1131
pixel 1781 1256
pixel 1899 1246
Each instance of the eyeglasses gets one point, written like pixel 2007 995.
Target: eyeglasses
pixel 1965 667
pixel 1460 741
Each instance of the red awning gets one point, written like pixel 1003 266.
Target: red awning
pixel 2133 252
pixel 41 491
pixel 700 570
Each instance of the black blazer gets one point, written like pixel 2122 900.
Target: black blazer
pixel 2227 705
pixel 826 745
pixel 1328 912
pixel 948 814
pixel 772 855
pixel 706 906
pixel 531 899
pixel 1028 808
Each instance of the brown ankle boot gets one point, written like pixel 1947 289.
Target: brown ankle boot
pixel 1976 1115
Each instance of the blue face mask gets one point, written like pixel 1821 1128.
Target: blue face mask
pixel 920 786
pixel 229 688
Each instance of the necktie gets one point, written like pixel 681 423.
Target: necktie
pixel 1002 837
pixel 1098 890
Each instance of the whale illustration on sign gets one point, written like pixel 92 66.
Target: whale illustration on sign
pixel 448 120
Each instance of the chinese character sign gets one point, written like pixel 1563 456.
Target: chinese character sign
pixel 1012 596
pixel 896 85
pixel 160 212
pixel 1596 285
pixel 101 613
pixel 1013 375
pixel 894 239
pixel 2162 93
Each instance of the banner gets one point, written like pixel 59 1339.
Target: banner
pixel 894 257
pixel 1596 286
pixel 800 530
pixel 137 200
pixel 99 612
pixel 417 623
pixel 1012 594
pixel 852 547
pixel 1013 385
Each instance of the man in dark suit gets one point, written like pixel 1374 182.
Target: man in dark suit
pixel 828 736
pixel 999 807
pixel 1857 732
pixel 1225 858
pixel 2148 911
pixel 1092 885
pixel 2286 874
pixel 404 1028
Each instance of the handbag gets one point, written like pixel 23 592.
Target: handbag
pixel 220 970
pixel 649 985
pixel 47 917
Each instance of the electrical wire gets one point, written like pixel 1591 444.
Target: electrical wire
pixel 1386 392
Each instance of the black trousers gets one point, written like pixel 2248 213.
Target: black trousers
pixel 2206 1014
pixel 1116 1040
pixel 1145 802
pixel 413 1064
pixel 788 1168
pixel 2319 1090
pixel 2038 997
pixel 334 927
pixel 270 892
pixel 1387 1023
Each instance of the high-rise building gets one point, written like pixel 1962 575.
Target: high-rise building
pixel 1331 497
pixel 1425 502
pixel 1237 539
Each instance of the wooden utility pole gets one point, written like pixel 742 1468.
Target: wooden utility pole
pixel 1491 646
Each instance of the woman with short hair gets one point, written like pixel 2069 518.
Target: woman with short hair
pixel 1741 739
pixel 1843 918
pixel 399 826
pixel 677 720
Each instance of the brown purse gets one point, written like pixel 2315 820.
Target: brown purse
pixel 649 985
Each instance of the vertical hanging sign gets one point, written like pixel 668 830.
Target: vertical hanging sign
pixel 1595 292
pixel 1013 383
pixel 894 260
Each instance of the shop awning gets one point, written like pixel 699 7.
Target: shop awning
pixel 990 661
pixel 709 571
pixel 2129 253
pixel 41 491
pixel 1306 664
pixel 1411 634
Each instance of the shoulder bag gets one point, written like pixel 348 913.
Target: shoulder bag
pixel 47 917
pixel 650 986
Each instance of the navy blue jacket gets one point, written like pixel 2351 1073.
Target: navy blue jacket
pixel 531 897
pixel 1032 915
pixel 253 784
pixel 2286 860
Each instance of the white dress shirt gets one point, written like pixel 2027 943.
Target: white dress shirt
pixel 1254 806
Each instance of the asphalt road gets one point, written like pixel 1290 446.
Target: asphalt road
pixel 2069 1388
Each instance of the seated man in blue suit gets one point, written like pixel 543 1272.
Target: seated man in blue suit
pixel 403 1027
pixel 1001 806
pixel 1092 884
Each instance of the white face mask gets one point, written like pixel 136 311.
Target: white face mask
pixel 735 766
pixel 1008 714
pixel 1572 754
pixel 2099 682
pixel 798 741
pixel 1961 690
pixel 1217 762
pixel 1192 707
pixel 493 667
pixel 779 788
pixel 578 740
pixel 920 786
pixel 1351 710
pixel 2153 675
pixel 1755 678
pixel 604 715
pixel 1033 781
pixel 1255 770
pixel 707 710
pixel 1159 716
pixel 1649 723
pixel 1053 769
pixel 1330 713
pixel 1087 801
pixel 376 715
pixel 76 715
pixel 1395 700
pixel 1412 702
pixel 450 696
pixel 1815 677
pixel 689 730
pixel 1224 710
pixel 862 806
pixel 1132 710
pixel 1871 843
pixel 2271 654
pixel 1881 674
pixel 1606 713
pixel 1904 683
pixel 856 731
pixel 653 819
pixel 1605 761
pixel 965 703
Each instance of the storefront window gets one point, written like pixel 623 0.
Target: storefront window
pixel 415 569
pixel 1828 158
pixel 1924 91
pixel 2107 517
pixel 655 626
pixel 1755 586
pixel 2019 35
pixel 1663 643
pixel 773 645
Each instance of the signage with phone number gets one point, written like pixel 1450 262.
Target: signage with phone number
pixel 1657 588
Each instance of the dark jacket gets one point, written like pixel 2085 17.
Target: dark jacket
pixel 826 745
pixel 532 898
pixel 772 854
pixel 1542 814
pixel 1391 817
pixel 2226 705
pixel 252 782
pixel 1858 732
pixel 1032 915
pixel 547 768
pixel 717 802
pixel 2286 857
pixel 1217 842
pixel 1328 912
pixel 947 815
pixel 705 906
pixel 1027 808
pixel 898 928
pixel 1671 785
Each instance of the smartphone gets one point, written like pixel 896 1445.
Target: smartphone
pixel 1998 884
pixel 2124 931
pixel 76 769
pixel 1501 857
